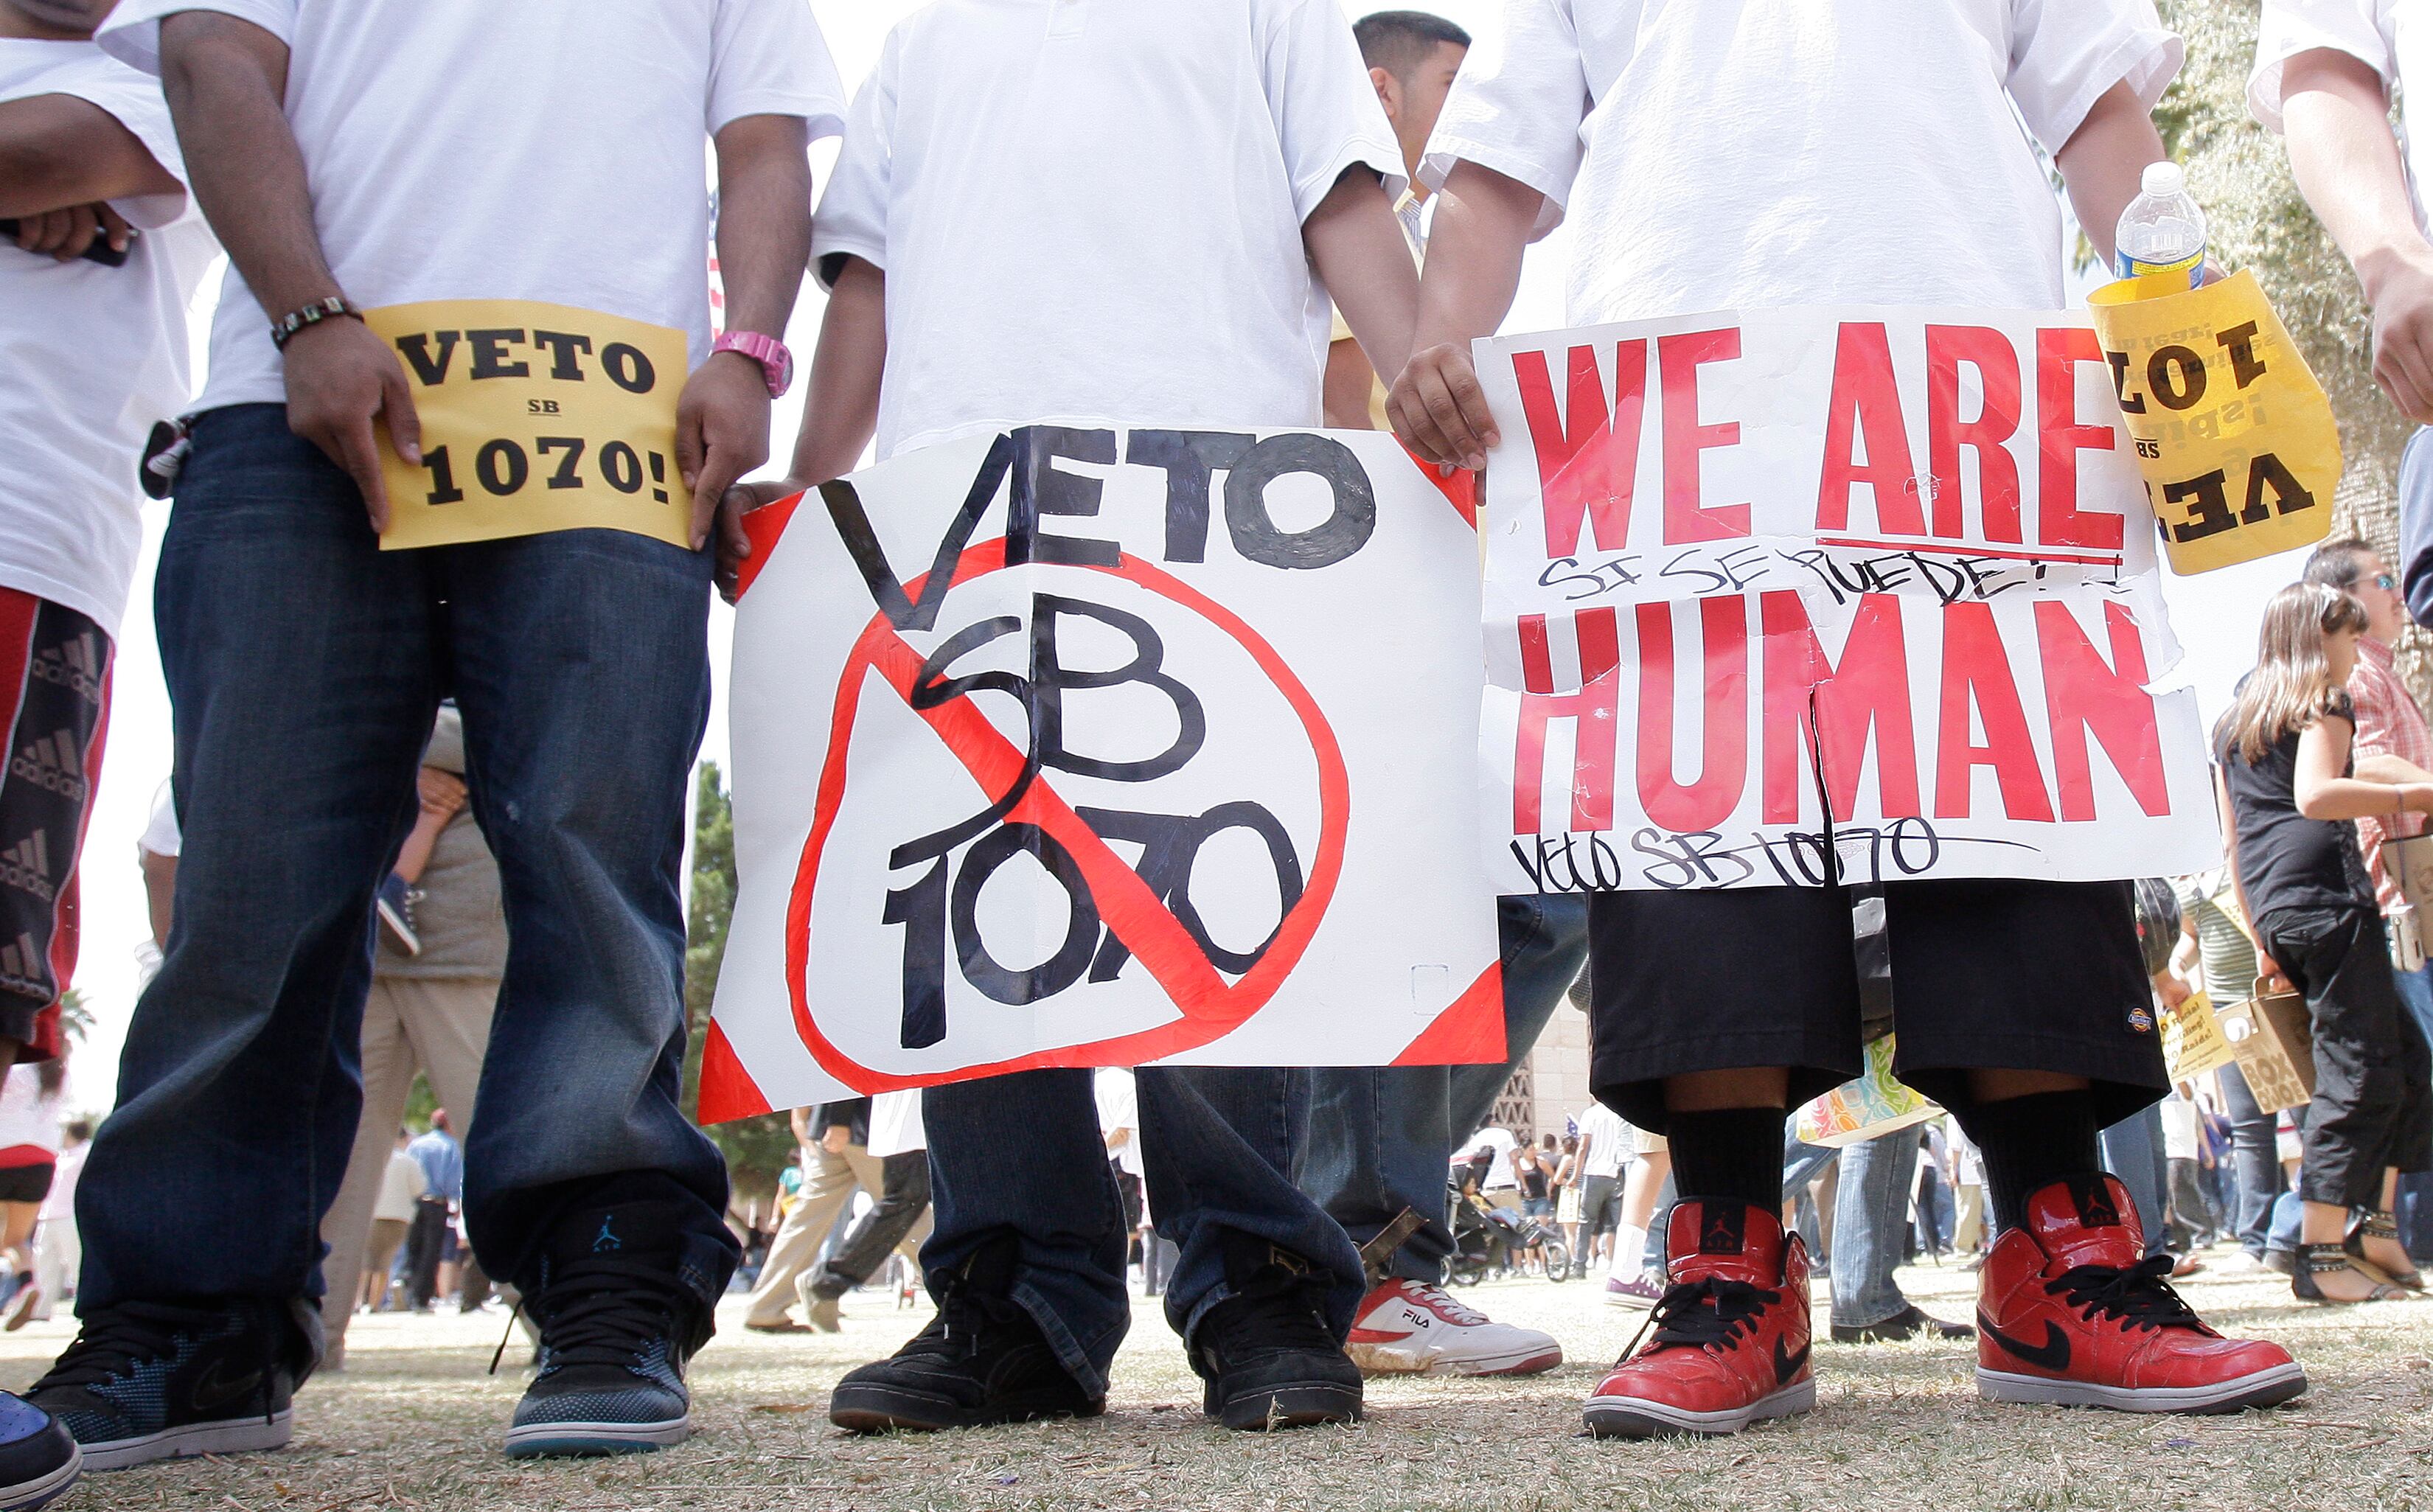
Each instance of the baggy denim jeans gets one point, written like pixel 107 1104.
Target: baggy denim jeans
pixel 304 666
pixel 1022 1154
pixel 1382 1138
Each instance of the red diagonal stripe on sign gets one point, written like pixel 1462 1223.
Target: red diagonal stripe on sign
pixel 1139 918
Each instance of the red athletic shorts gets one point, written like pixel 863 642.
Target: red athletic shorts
pixel 54 694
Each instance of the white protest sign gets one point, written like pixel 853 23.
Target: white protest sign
pixel 1740 565
pixel 1097 747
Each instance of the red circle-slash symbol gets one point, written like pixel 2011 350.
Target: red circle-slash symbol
pixel 1211 1007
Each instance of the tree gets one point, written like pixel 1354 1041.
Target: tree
pixel 2257 219
pixel 756 1149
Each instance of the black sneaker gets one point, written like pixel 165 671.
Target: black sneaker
pixel 617 1327
pixel 1268 1353
pixel 981 1361
pixel 1908 1324
pixel 39 1457
pixel 146 1381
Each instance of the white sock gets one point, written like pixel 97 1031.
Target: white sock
pixel 1627 1248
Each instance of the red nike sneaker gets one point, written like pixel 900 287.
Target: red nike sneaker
pixel 2071 1312
pixel 1729 1340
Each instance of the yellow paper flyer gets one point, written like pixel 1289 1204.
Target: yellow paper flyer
pixel 535 418
pixel 2235 437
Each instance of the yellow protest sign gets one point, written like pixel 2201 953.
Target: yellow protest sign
pixel 2193 1043
pixel 535 418
pixel 2235 437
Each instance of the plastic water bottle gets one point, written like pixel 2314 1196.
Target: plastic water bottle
pixel 2163 231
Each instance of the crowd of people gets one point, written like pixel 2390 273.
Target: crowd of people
pixel 1053 209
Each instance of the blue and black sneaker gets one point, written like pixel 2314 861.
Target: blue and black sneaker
pixel 146 1381
pixel 39 1458
pixel 617 1326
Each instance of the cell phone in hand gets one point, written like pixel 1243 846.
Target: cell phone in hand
pixel 100 251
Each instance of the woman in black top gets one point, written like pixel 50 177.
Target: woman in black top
pixel 2284 749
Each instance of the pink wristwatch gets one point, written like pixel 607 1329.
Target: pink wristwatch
pixel 777 363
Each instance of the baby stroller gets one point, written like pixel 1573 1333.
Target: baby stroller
pixel 1501 1242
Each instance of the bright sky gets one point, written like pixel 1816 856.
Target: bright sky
pixel 2216 616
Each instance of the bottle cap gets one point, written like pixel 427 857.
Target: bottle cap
pixel 2163 179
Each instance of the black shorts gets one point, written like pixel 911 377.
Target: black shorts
pixel 26 1183
pixel 1986 973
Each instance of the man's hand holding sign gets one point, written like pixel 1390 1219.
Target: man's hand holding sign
pixel 481 417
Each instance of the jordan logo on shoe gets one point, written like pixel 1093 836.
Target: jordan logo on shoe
pixel 608 1239
pixel 1720 1233
pixel 2096 1209
pixel 2053 1354
pixel 1786 1364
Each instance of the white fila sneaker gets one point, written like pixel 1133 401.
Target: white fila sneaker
pixel 1409 1326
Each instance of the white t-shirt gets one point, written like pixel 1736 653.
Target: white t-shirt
pixel 29 1115
pixel 1091 209
pixel 1783 152
pixel 90 357
pixel 895 1126
pixel 547 150
pixel 1119 1108
pixel 402 1186
pixel 160 834
pixel 1502 1142
pixel 60 1205
pixel 1608 1141
pixel 2394 38
pixel 2181 1141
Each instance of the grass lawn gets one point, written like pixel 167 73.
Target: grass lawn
pixel 415 1422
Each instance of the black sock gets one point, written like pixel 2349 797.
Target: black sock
pixel 2030 1142
pixel 1729 1153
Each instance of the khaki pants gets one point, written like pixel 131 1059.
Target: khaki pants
pixel 829 1183
pixel 439 1027
pixel 1971 1225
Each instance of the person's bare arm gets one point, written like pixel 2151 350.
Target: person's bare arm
pixel 2102 160
pixel 2266 967
pixel 840 407
pixel 2383 766
pixel 61 159
pixel 801 1120
pixel 2323 792
pixel 764 242
pixel 1483 222
pixel 2347 164
pixel 1349 381
pixel 160 892
pixel 1362 257
pixel 225 80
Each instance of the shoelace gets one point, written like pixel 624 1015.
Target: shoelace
pixel 116 1339
pixel 1711 1313
pixel 1274 1306
pixel 1444 1304
pixel 966 1317
pixel 2139 1296
pixel 604 1312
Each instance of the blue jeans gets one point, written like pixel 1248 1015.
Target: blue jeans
pixel 1382 1137
pixel 2255 1157
pixel 2133 1150
pixel 1871 1226
pixel 1802 1164
pixel 2414 1209
pixel 1022 1154
pixel 304 666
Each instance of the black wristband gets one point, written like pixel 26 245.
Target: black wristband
pixel 284 328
